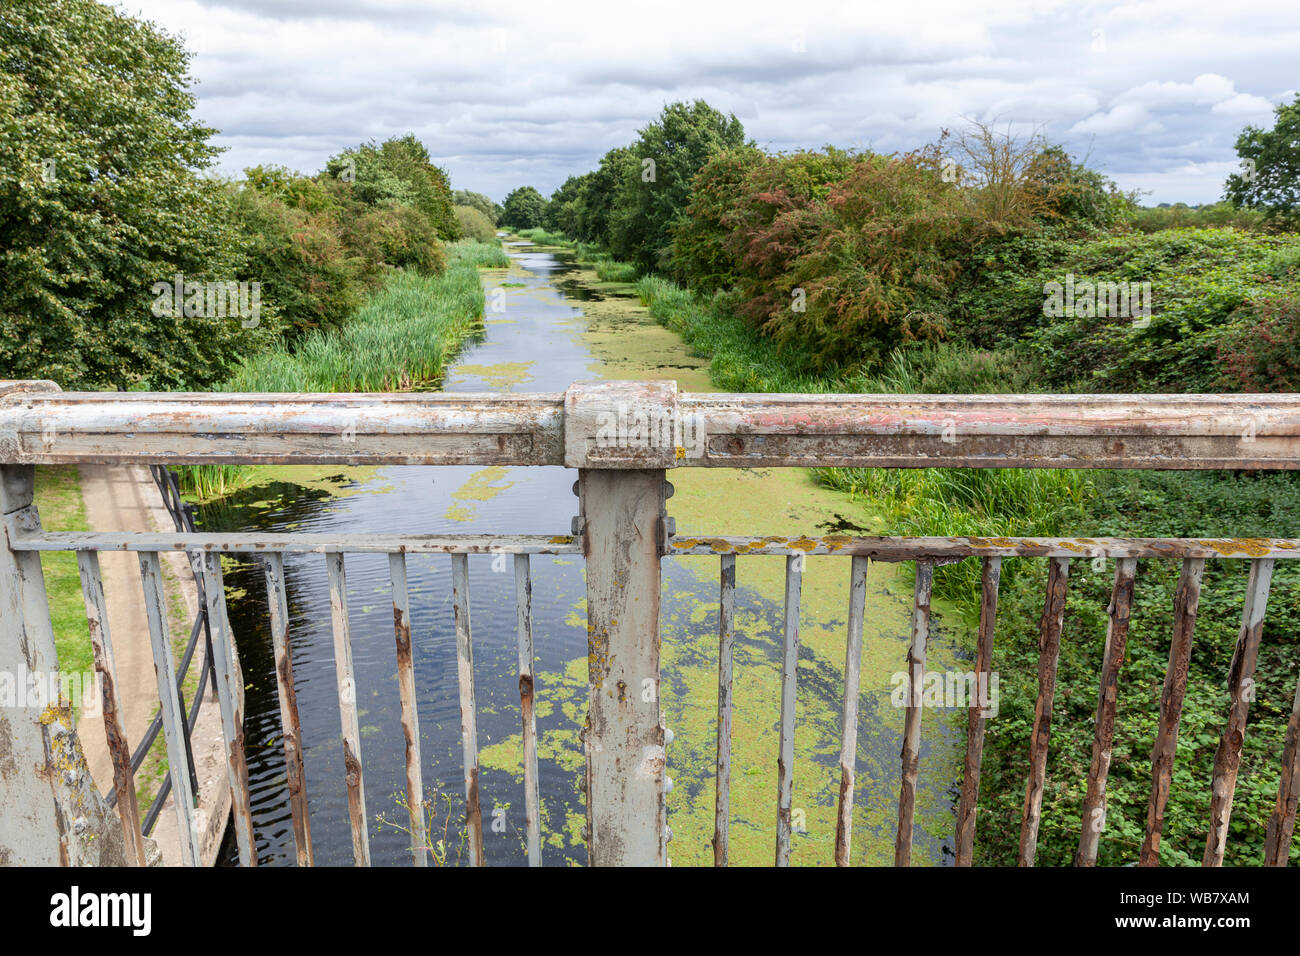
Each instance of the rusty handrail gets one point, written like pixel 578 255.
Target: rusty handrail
pixel 652 425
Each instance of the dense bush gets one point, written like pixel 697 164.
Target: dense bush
pixel 404 238
pixel 703 251
pixel 320 247
pixel 474 225
pixel 491 210
pixel 309 274
pixel 846 254
pixel 1261 351
pixel 1182 216
pixel 1202 283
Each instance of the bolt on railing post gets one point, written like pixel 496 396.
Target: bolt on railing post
pixel 53 814
pixel 620 437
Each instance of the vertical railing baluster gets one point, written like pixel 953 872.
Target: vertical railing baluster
pixel 290 726
pixel 92 589
pixel 726 643
pixel 527 708
pixel 1281 823
pixel 1049 650
pixel 169 704
pixel 1094 801
pixel 990 577
pixel 410 716
pixel 229 697
pixel 849 715
pixel 347 685
pixel 468 714
pixel 916 654
pixel 789 667
pixel 1241 683
pixel 1186 601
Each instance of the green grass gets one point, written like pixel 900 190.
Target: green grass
pixel 59 501
pixel 484 255
pixel 402 337
pixel 610 270
pixel 542 237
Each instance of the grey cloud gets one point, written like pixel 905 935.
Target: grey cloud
pixel 514 91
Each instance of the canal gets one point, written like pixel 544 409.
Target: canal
pixel 554 323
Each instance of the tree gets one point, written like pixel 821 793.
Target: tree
pixel 101 198
pixel 1017 182
pixel 594 206
pixel 561 213
pixel 1270 176
pixel 524 208
pixel 655 189
pixel 399 170
pixel 490 209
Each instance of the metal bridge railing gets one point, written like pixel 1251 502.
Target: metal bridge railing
pixel 623 438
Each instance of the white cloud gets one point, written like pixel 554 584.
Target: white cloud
pixel 1124 118
pixel 1243 104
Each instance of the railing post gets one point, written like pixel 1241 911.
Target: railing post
pixel 52 814
pixel 621 436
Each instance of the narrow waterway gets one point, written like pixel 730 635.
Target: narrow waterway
pixel 559 325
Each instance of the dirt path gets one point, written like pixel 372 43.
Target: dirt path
pixel 126 499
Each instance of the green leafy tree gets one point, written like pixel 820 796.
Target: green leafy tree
pixel 312 275
pixel 655 189
pixel 100 198
pixel 490 209
pixel 399 170
pixel 561 213
pixel 593 207
pixel 524 208
pixel 1270 175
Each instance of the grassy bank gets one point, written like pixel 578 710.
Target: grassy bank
pixel 58 498
pixel 402 337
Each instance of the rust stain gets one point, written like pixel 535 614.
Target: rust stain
pixel 843 818
pixel 474 817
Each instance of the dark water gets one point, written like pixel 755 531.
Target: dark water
pixel 534 345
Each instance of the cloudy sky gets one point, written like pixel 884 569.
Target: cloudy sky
pixel 506 93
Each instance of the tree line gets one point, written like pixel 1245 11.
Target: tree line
pixel 107 190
